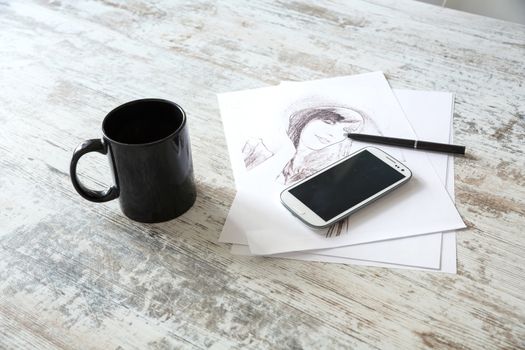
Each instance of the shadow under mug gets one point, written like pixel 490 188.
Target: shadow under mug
pixel 149 151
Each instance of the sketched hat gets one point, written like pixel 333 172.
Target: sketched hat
pixel 328 113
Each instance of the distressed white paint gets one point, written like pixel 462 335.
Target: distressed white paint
pixel 75 274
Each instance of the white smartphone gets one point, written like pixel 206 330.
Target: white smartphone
pixel 344 187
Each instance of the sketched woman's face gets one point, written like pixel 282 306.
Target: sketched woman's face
pixel 330 127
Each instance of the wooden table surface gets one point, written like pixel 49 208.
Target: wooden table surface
pixel 79 275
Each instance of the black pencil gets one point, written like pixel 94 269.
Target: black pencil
pixel 422 145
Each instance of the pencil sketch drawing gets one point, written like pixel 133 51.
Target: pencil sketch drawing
pixel 318 137
pixel 314 132
pixel 255 152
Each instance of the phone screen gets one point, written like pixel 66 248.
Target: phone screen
pixel 341 187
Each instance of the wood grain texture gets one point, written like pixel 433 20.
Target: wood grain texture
pixel 75 274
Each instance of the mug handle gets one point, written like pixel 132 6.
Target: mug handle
pixel 94 145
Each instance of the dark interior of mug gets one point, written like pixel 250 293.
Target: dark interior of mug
pixel 143 121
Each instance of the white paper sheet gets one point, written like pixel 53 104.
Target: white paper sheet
pixel 416 208
pixel 418 251
pixel 435 215
pixel 447 258
pixel 264 119
pixel 430 114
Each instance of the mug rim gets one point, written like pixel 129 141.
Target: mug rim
pixel 127 104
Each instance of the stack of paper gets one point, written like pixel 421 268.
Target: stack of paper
pixel 272 145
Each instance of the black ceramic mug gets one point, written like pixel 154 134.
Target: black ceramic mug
pixel 148 146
